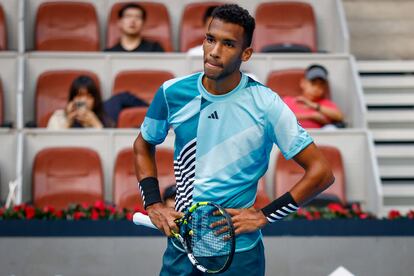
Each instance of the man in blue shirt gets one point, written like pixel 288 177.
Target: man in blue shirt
pixel 225 125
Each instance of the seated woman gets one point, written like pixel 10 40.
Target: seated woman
pixel 84 108
pixel 311 108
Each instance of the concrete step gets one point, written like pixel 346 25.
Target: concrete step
pixel 390 116
pixel 389 81
pixel 395 151
pixel 394 135
pixel 393 99
pixel 398 190
pixel 396 170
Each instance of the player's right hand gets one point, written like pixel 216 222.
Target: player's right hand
pixel 164 218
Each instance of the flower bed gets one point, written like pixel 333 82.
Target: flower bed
pixel 102 211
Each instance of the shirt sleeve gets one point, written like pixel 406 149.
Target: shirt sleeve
pixel 155 127
pixel 284 130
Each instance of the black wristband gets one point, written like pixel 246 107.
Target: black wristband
pixel 150 191
pixel 280 208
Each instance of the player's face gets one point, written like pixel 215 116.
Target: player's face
pixel 131 22
pixel 224 49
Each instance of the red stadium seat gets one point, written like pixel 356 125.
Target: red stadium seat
pixel 52 92
pixel 157 26
pixel 262 199
pixel 288 172
pixel 287 82
pixel 125 188
pixel 192 30
pixel 285 23
pixel 62 176
pixel 3 30
pixel 142 83
pixel 132 117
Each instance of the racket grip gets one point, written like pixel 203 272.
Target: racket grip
pixel 144 220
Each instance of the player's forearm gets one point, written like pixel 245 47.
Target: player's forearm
pixel 317 178
pixel 144 159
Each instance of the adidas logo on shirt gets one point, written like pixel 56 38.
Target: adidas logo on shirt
pixel 213 115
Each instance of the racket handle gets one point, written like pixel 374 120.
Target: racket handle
pixel 144 220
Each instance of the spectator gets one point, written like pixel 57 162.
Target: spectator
pixel 84 108
pixel 169 196
pixel 131 22
pixel 311 108
pixel 198 50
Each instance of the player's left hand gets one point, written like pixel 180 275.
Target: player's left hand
pixel 247 220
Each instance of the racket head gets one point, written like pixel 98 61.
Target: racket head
pixel 211 250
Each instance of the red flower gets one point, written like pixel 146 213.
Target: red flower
pixel 85 205
pixel 30 212
pixel 317 215
pixel 1 211
pixel 410 214
pixel 100 205
pixel 337 208
pixel 48 209
pixel 394 214
pixel 78 215
pixel 58 213
pixel 111 209
pixel 356 208
pixel 94 215
pixel 363 216
pixel 128 216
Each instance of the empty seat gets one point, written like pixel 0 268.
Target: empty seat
pixel 66 26
pixel 262 199
pixel 67 175
pixel 125 187
pixel 142 83
pixel 192 30
pixel 131 117
pixel 287 82
pixel 52 92
pixel 288 26
pixel 3 30
pixel 288 173
pixel 157 25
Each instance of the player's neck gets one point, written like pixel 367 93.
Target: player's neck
pixel 222 86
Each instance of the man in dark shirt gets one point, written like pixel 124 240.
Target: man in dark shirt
pixel 131 22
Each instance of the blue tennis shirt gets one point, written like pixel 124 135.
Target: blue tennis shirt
pixel 222 142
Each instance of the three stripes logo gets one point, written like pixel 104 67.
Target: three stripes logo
pixel 213 115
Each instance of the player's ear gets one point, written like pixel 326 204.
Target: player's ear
pixel 247 53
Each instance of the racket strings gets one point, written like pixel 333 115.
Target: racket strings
pixel 205 241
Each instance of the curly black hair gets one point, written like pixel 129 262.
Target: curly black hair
pixel 232 13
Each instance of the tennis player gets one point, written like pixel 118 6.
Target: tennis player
pixel 225 125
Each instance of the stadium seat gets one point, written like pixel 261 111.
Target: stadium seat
pixel 1 104
pixel 57 29
pixel 3 30
pixel 52 92
pixel 131 117
pixel 262 199
pixel 288 26
pixel 287 82
pixel 142 83
pixel 66 175
pixel 288 172
pixel 192 26
pixel 125 188
pixel 157 26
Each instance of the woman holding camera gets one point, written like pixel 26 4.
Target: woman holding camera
pixel 84 108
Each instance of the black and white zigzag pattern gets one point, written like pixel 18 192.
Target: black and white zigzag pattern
pixel 184 168
pixel 282 212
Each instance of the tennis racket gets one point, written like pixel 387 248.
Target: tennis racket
pixel 210 249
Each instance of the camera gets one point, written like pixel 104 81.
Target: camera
pixel 80 104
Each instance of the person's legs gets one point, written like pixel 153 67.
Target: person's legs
pixel 251 262
pixel 176 262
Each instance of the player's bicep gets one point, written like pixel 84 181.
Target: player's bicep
pixel 155 127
